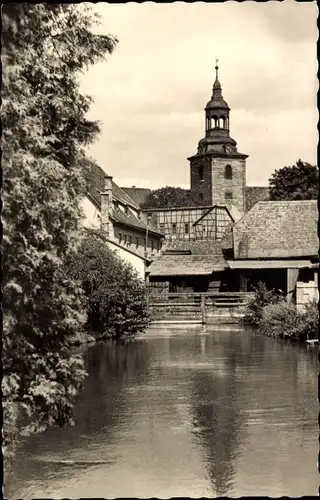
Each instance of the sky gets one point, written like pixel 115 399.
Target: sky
pixel 150 94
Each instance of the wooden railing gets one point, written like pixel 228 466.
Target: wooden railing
pixel 196 306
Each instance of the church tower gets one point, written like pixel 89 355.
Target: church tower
pixel 218 170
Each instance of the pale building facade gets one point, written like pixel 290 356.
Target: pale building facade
pixel 130 232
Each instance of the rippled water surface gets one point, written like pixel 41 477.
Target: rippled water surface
pixel 183 412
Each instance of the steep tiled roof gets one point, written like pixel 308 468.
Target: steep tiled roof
pixel 95 177
pixel 255 194
pixel 138 195
pixel 227 240
pixel 176 265
pixel 234 212
pixel 277 229
pixel 198 247
pixel 130 220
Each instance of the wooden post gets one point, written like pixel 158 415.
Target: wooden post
pixel 203 309
pixel 292 276
pixel 243 283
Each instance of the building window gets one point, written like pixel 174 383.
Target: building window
pixel 130 240
pixel 228 172
pixel 228 195
pixel 162 226
pixel 200 196
pixel 159 245
pixel 201 173
pixel 186 228
pixel 125 239
pixel 174 228
pixel 137 242
pixel 152 245
pixel 120 238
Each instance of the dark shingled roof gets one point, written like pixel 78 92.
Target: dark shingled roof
pixel 255 194
pixel 198 247
pixel 277 229
pixel 129 219
pixel 176 265
pixel 204 258
pixel 138 195
pixel 95 175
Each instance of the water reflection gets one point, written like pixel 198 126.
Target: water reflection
pixel 218 423
pixel 185 413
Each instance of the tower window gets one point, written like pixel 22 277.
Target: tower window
pixel 200 196
pixel 223 122
pixel 174 228
pixel 228 195
pixel 228 172
pixel 186 228
pixel 201 173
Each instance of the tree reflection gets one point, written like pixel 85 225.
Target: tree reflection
pixel 101 407
pixel 217 421
pixel 111 367
pixel 100 404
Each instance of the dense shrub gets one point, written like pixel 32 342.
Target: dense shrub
pixel 116 299
pixel 262 297
pixel 284 321
pixel 311 321
pixel 281 320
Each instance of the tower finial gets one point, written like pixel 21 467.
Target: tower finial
pixel 217 67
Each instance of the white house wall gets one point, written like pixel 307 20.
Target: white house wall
pixel 91 214
pixel 136 262
pixel 307 292
pixel 92 220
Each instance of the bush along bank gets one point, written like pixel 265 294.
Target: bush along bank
pixel 116 299
pixel 274 316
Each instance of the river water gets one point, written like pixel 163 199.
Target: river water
pixel 183 412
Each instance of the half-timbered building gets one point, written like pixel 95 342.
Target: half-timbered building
pixel 194 223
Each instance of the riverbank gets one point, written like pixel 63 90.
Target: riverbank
pixel 269 311
pixel 84 338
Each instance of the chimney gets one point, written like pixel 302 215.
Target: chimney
pixel 106 201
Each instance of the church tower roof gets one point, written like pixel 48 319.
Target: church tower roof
pixel 217 101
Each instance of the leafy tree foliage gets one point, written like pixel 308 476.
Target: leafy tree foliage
pixel 169 197
pixel 116 299
pixel 45 47
pixel 298 182
pixel 262 297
